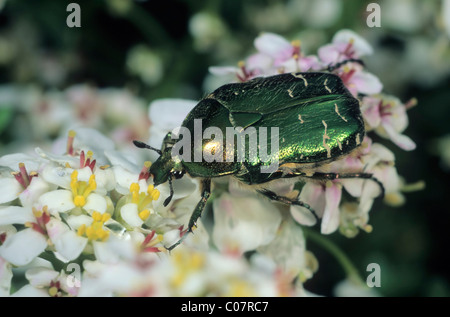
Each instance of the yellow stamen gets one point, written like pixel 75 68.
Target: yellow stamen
pixel 96 231
pixel 134 187
pixel 79 201
pixel 72 133
pixel 134 190
pixel 105 217
pixel 81 230
pixel 81 190
pixel 97 216
pixel 52 291
pixel 150 189
pixel 147 164
pixel 144 214
pixel 155 194
pixel 37 213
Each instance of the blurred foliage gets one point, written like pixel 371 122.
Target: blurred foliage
pixel 164 48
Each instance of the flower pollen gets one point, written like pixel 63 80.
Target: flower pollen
pixel 96 231
pixel 81 189
pixel 143 199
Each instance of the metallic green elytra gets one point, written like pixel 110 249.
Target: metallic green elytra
pixel 317 120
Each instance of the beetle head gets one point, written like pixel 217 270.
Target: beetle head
pixel 166 168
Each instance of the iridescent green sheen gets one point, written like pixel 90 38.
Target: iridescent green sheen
pixel 318 120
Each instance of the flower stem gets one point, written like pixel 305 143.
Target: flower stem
pixel 339 255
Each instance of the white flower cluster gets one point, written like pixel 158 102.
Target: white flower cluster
pixel 94 210
pixel 117 113
pixel 90 222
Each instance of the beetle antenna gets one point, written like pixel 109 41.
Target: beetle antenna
pixel 143 145
pixel 168 199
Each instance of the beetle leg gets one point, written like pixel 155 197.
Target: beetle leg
pixel 350 60
pixel 168 199
pixel 206 192
pixel 333 176
pixel 274 196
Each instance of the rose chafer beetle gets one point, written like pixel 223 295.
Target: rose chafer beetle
pixel 318 121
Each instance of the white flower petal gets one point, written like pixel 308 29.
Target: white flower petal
pixel 330 219
pixel 302 215
pixel 76 221
pixel 57 175
pixel 91 139
pixel 58 201
pixel 30 291
pixel 243 223
pixel 274 45
pixel 41 277
pixel 328 54
pixel 95 202
pixel 66 242
pixel 371 111
pixel 402 141
pixel 360 45
pixel 112 250
pixel 367 83
pixel 312 194
pixel 354 186
pixel 9 189
pixel 16 215
pixel 167 114
pixel 129 213
pixel 124 178
pixel 259 61
pixel 105 180
pixel 12 161
pixel 5 278
pixel 128 162
pixel 28 241
pixel 62 160
pixel 287 249
pixel 36 188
